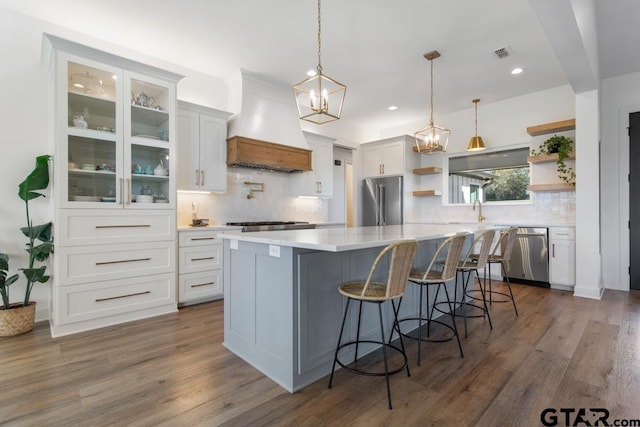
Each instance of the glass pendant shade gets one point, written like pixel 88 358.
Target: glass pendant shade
pixel 319 98
pixel 476 143
pixel 432 138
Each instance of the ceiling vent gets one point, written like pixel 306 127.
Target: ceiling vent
pixel 504 52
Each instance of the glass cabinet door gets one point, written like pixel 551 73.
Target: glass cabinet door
pixel 93 154
pixel 148 140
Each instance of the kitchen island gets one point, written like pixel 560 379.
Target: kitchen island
pixel 282 309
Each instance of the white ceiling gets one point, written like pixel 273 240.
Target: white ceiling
pixel 375 47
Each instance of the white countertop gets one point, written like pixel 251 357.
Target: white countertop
pixel 347 239
pixel 208 227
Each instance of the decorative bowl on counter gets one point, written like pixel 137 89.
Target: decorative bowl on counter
pixel 200 222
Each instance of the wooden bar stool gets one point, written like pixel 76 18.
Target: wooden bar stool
pixel 436 274
pixel 402 254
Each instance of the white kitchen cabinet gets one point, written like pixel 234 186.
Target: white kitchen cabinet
pixel 200 276
pixel 562 257
pixel 383 158
pixel 202 148
pixel 319 181
pixel 114 198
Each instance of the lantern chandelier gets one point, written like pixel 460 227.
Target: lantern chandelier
pixel 319 98
pixel 476 143
pixel 432 138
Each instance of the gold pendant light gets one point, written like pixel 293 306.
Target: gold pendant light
pixel 319 98
pixel 432 138
pixel 476 143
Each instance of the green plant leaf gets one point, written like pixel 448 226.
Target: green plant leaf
pixel 41 232
pixel 35 274
pixel 38 179
pixel 42 252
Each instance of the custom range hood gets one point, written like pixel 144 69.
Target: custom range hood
pixel 266 133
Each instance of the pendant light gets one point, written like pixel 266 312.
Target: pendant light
pixel 319 98
pixel 432 138
pixel 476 143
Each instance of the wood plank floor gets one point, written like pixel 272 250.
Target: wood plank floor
pixel 172 370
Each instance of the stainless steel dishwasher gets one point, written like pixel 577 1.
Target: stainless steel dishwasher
pixel 529 262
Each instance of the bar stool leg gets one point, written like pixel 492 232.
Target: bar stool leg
pixel 384 355
pixel 453 318
pixel 420 323
pixel 484 299
pixel 335 357
pixel 513 300
pixel 395 322
pixel 355 357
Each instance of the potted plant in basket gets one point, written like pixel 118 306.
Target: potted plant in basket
pixel 18 318
pixel 563 146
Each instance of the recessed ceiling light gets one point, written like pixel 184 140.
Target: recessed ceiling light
pixel 516 70
pixel 311 73
pixel 392 107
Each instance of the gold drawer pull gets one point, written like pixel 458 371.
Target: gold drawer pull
pixel 123 296
pixel 121 261
pixel 203 284
pixel 124 226
pixel 203 259
pixel 203 238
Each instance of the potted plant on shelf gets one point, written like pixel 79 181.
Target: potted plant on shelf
pixel 563 146
pixel 19 317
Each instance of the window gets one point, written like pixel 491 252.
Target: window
pixel 492 176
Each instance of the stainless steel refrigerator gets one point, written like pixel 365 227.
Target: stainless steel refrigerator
pixel 382 201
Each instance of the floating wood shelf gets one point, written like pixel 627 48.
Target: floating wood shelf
pixel 427 193
pixel 552 187
pixel 425 150
pixel 545 158
pixel 561 126
pixel 427 171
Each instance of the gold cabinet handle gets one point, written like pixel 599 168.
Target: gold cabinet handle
pixel 128 191
pixel 197 177
pixel 201 176
pixel 121 191
pixel 202 238
pixel 122 296
pixel 122 261
pixel 203 284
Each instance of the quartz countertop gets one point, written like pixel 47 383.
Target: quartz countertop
pixel 351 238
pixel 208 227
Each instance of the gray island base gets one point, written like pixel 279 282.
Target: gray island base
pixel 282 309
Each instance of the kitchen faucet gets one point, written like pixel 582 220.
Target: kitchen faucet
pixel 480 217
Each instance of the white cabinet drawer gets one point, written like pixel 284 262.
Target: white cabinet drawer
pixel 97 263
pixel 113 297
pixel 94 227
pixel 562 233
pixel 200 258
pixel 197 238
pixel 204 284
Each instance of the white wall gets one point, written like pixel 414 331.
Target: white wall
pixel 26 123
pixel 620 96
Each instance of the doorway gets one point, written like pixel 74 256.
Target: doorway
pixel 634 201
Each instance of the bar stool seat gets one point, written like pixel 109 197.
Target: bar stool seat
pixel 402 254
pixel 436 274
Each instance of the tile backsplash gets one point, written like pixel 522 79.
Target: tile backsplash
pixel 274 203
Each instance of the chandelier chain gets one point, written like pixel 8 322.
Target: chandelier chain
pixel 431 92
pixel 319 67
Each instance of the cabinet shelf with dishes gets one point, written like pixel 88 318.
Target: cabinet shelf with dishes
pixel 101 205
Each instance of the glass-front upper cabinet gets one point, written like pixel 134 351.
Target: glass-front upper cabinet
pixel 118 135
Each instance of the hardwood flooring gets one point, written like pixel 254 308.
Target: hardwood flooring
pixel 172 370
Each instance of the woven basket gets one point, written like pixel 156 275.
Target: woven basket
pixel 17 320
